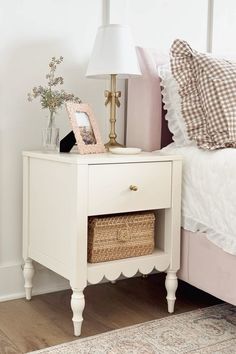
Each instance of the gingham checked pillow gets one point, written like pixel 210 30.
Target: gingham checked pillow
pixel 207 87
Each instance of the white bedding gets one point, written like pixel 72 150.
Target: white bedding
pixel 209 193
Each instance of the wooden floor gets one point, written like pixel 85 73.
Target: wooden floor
pixel 46 319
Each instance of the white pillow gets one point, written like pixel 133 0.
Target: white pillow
pixel 172 104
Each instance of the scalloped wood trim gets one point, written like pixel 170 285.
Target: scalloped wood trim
pixel 128 267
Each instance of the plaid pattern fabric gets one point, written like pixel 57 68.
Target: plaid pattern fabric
pixel 207 87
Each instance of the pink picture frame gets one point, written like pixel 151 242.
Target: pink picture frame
pixel 85 128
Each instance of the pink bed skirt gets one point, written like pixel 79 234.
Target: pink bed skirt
pixel 208 267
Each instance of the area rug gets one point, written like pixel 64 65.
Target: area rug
pixel 206 331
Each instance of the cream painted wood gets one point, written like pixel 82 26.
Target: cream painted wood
pixel 77 306
pixel 158 260
pixel 25 206
pixel 53 215
pixel 172 227
pixel 171 284
pixel 110 191
pixel 62 190
pixel 28 276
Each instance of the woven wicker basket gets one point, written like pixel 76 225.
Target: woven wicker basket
pixel 120 236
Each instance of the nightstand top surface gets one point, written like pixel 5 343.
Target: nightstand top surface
pixel 104 158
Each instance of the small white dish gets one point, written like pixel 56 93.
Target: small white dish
pixel 125 151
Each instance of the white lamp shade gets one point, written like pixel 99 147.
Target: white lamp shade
pixel 113 53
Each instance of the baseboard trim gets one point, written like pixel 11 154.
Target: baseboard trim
pixel 45 281
pixel 12 282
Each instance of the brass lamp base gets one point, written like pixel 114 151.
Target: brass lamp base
pixel 112 143
pixel 112 98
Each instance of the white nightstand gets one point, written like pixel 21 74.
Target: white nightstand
pixel 62 190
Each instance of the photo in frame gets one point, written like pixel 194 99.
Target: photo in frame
pixel 85 128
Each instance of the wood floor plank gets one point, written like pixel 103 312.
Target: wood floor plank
pixel 6 346
pixel 46 319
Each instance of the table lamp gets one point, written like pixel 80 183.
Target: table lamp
pixel 113 56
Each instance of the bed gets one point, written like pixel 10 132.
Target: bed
pixel 208 257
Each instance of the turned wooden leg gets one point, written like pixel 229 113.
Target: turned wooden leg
pixel 28 273
pixel 77 306
pixel 171 284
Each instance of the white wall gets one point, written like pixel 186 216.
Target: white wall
pixel 224 27
pixel 156 23
pixel 31 33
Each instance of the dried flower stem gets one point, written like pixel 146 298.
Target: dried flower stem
pixel 49 98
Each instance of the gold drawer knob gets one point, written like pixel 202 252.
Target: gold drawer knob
pixel 133 188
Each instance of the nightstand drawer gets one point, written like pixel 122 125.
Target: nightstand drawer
pixel 112 188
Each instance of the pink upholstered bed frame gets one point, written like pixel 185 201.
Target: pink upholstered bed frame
pixel 203 264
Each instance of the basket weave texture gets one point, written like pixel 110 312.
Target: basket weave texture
pixel 120 236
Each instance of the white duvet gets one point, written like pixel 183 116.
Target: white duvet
pixel 209 193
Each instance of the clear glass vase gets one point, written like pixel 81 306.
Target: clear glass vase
pixel 50 135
